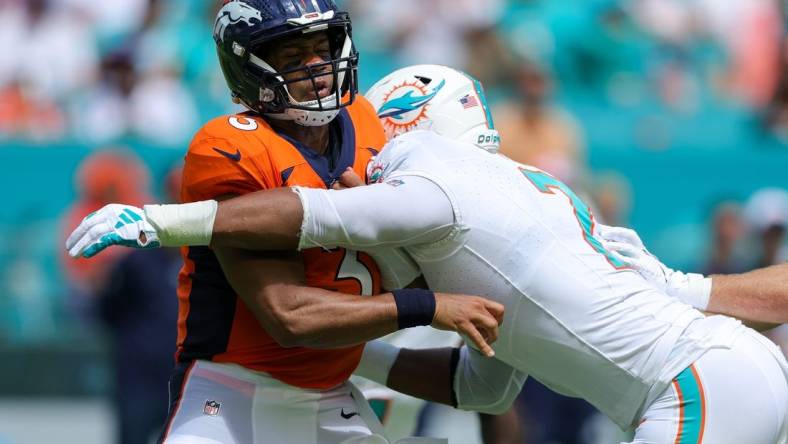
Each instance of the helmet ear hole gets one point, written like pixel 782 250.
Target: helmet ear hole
pixel 425 80
pixel 267 95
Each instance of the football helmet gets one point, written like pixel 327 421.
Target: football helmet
pixel 246 29
pixel 436 98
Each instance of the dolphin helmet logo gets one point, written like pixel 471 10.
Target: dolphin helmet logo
pixel 405 106
pixel 232 13
pixel 395 108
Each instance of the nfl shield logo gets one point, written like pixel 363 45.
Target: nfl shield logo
pixel 211 408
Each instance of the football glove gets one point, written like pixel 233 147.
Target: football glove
pixel 115 224
pixel 693 289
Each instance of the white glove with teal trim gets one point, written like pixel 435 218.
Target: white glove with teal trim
pixel 690 288
pixel 152 227
pixel 115 224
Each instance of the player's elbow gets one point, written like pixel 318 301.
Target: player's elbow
pixel 285 336
pixel 287 332
pixel 282 318
pixel 295 332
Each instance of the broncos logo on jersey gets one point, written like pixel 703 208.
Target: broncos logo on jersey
pixel 232 13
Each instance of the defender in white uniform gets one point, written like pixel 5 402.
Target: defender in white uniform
pixel 577 318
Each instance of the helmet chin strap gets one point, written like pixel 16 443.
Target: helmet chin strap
pixel 309 118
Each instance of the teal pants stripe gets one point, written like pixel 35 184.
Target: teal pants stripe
pixel 692 407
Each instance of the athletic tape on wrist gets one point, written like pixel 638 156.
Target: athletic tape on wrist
pixel 184 224
pixel 415 307
pixel 697 292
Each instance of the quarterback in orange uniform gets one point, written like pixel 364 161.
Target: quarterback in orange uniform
pixel 262 357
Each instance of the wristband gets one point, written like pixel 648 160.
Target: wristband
pixel 376 361
pixel 415 307
pixel 184 224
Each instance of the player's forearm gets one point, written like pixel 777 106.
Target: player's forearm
pixel 425 374
pixel 318 318
pixel 461 377
pixel 311 317
pixel 264 220
pixel 415 211
pixel 758 298
pixel 272 287
pixel 760 295
pixel 259 221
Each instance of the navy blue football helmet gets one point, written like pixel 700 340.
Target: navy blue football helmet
pixel 246 29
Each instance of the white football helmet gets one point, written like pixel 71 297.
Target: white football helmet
pixel 436 98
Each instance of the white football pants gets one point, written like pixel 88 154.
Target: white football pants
pixel 728 396
pixel 229 404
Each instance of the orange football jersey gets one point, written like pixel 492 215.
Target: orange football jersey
pixel 241 154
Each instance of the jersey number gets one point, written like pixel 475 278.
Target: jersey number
pixel 243 124
pixel 548 184
pixel 353 268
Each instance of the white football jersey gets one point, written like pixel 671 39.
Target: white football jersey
pixel 576 319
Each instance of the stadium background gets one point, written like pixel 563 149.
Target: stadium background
pixel 671 116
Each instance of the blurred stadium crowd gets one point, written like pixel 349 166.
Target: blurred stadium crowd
pixel 671 116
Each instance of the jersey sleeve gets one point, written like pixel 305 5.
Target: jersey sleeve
pixel 485 384
pixel 397 268
pixel 408 210
pixel 221 165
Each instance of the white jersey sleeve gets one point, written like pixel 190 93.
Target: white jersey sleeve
pixel 485 384
pixel 397 268
pixel 408 210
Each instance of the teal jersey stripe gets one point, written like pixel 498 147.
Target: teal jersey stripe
pixel 548 184
pixel 694 407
